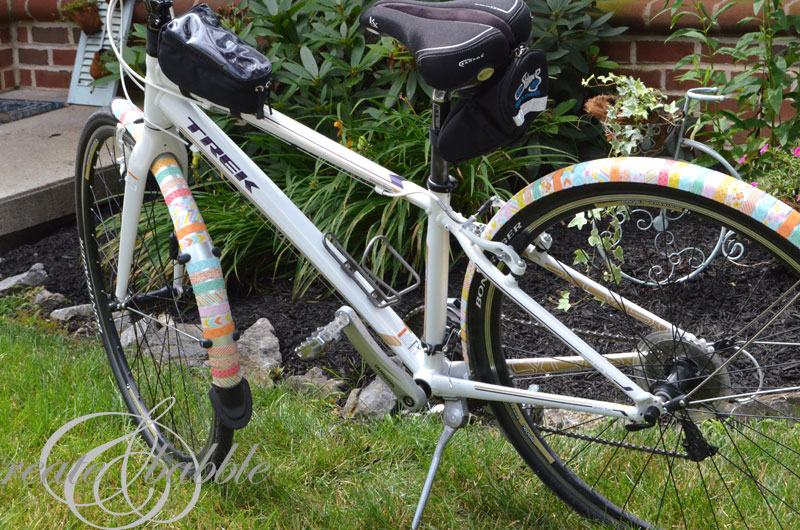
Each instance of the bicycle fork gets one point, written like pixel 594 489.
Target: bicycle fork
pixel 229 392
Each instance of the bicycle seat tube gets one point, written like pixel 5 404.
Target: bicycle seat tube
pixel 437 239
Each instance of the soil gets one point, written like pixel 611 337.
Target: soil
pixel 293 321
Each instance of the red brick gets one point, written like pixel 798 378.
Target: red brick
pixel 629 13
pixel 45 10
pixel 139 13
pixel 618 51
pixel 5 35
pixel 64 57
pixel 8 79
pixel 788 112
pixel 76 35
pixel 674 84
pixel 49 79
pixel 720 58
pixel 730 20
pixel 651 78
pixel 25 77
pixel 6 58
pixel 18 11
pixel 50 35
pixel 32 56
pixel 651 51
pixel 22 34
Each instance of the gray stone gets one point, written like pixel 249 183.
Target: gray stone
pixel 68 313
pixel 315 381
pixel 375 400
pixel 121 320
pixel 136 333
pixel 49 301
pixel 166 343
pixel 783 405
pixel 34 277
pixel 259 351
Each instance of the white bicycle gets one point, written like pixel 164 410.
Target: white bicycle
pixel 671 404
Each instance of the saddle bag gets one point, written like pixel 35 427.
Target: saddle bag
pixel 204 58
pixel 499 114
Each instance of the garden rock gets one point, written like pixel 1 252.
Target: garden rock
pixel 782 405
pixel 375 400
pixel 169 344
pixel 32 278
pixel 121 320
pixel 259 351
pixel 49 301
pixel 315 381
pixel 68 313
pixel 138 331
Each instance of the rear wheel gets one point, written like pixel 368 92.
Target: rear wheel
pixel 731 459
pixel 153 343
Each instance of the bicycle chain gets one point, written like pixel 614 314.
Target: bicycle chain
pixel 585 332
pixel 614 443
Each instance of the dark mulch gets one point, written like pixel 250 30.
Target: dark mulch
pixel 294 321
pixel 710 302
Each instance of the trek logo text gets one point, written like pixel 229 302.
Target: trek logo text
pixel 223 158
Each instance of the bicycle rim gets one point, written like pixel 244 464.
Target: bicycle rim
pixel 153 343
pixel 731 459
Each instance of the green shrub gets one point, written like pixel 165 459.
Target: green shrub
pixel 776 170
pixel 771 57
pixel 326 72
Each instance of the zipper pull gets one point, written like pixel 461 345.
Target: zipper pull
pixel 262 93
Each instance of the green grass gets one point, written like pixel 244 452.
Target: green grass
pixel 324 472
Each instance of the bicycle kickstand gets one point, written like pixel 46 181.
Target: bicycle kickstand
pixel 455 416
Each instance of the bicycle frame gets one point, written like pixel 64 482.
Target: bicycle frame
pixel 165 109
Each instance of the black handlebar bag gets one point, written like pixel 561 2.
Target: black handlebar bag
pixel 204 58
pixel 500 114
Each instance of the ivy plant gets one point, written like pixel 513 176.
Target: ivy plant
pixel 632 108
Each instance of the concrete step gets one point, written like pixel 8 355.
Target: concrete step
pixel 37 158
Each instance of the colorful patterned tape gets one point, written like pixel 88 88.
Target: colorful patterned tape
pixel 204 274
pixel 127 113
pixel 668 173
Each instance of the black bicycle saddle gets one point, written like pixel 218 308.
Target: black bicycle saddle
pixel 456 43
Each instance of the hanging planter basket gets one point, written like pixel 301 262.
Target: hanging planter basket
pixel 88 18
pixel 98 67
pixel 655 130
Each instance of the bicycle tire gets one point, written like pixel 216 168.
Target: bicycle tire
pixel 148 344
pixel 649 477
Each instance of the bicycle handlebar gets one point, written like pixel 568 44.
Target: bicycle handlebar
pixel 704 94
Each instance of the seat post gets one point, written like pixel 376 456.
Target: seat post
pixel 439 179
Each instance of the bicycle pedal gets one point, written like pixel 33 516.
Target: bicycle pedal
pixel 322 339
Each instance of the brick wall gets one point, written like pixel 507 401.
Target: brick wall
pixel 642 52
pixel 649 58
pixel 7 70
pixel 36 50
pixel 45 53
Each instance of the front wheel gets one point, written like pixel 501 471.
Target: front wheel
pixel 728 338
pixel 153 343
